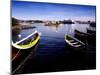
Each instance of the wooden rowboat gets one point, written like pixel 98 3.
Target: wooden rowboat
pixel 74 43
pixel 22 49
pixel 89 37
pixel 81 34
pixel 28 41
pixel 91 31
pixel 93 24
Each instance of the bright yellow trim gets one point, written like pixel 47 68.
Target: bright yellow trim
pixel 31 44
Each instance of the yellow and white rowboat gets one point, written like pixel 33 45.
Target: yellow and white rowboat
pixel 28 41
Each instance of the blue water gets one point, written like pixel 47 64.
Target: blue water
pixel 53 31
pixel 52 54
pixel 52 40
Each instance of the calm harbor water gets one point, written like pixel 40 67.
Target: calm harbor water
pixel 52 54
pixel 53 31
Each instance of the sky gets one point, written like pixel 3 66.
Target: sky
pixel 51 11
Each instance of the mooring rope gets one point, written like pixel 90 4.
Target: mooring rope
pixel 16 55
pixel 24 60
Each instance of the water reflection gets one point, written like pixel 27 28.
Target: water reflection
pixel 53 30
pixel 52 50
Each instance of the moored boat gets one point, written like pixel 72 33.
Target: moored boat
pixel 87 38
pixel 81 34
pixel 92 38
pixel 91 31
pixel 93 24
pixel 74 43
pixel 22 49
pixel 28 41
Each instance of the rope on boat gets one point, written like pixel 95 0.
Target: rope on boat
pixel 16 55
pixel 22 63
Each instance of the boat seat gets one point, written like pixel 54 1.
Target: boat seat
pixel 77 45
pixel 72 40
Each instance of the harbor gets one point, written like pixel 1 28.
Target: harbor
pixel 52 37
pixel 53 53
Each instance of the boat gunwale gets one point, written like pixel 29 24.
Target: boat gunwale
pixel 73 39
pixel 17 46
pixel 79 33
pixel 25 38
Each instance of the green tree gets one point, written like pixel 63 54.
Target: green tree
pixel 14 21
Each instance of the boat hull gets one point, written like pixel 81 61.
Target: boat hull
pixel 22 57
pixel 72 47
pixel 21 53
pixel 93 24
pixel 91 31
pixel 88 38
